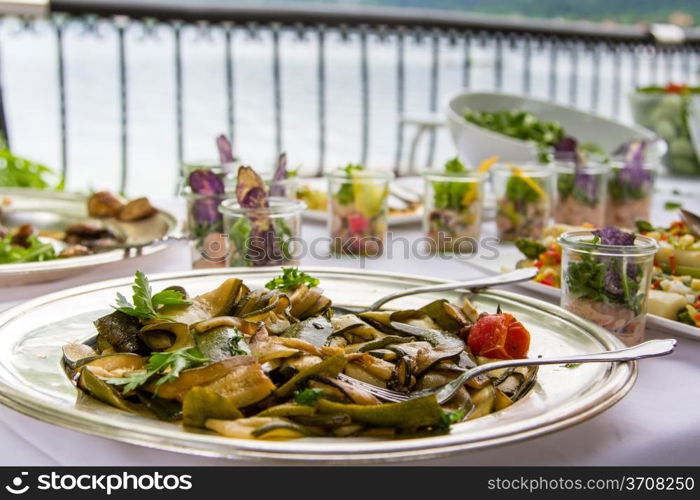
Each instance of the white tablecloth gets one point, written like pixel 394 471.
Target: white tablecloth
pixel 658 423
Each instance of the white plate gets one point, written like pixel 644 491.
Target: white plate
pixel 57 209
pixel 394 220
pixel 508 257
pixel 32 379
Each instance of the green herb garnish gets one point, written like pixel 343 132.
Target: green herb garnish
pixel 346 194
pixel 447 419
pixel 35 252
pixel 237 350
pixel 20 172
pixel 147 306
pixel 451 195
pixel 521 125
pixel 571 366
pixel 239 235
pixel 644 226
pixel 684 317
pixel 567 186
pixel 290 279
pixel 308 397
pixel 518 190
pixel 530 248
pixel 672 205
pixel 604 281
pixel 167 364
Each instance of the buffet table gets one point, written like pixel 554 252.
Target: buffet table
pixel 655 424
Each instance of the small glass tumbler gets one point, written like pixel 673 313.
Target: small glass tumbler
pixel 205 228
pixel 263 236
pixel 580 194
pixel 453 211
pixel 523 199
pixel 629 193
pixel 608 284
pixel 358 211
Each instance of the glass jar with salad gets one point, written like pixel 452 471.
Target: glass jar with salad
pixel 262 235
pixel 358 210
pixel 204 192
pixel 522 199
pixel 605 278
pixel 580 193
pixel 629 193
pixel 453 208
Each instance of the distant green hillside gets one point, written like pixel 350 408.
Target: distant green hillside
pixel 627 11
pixel 623 11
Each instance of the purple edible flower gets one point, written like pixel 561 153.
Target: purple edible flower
pixel 206 211
pixel 614 236
pixel 225 149
pixel 633 173
pixel 206 182
pixel 276 188
pixel 567 150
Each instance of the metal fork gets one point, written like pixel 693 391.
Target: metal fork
pixel 516 276
pixel 649 349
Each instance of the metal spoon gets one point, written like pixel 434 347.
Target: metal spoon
pixel 517 276
pixel 691 220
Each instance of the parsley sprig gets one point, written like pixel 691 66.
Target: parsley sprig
pixel 290 279
pixel 448 418
pixel 146 305
pixel 167 364
pixel 308 397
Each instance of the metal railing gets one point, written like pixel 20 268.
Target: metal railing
pixel 394 61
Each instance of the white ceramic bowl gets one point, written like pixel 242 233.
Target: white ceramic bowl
pixel 475 143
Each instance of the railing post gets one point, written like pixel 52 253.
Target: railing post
pixel 467 65
pixel 276 87
pixel 58 28
pixel 230 94
pixel 553 63
pixel 364 86
pixel 527 63
pixel 595 75
pixel 434 83
pixel 4 132
pixel 321 100
pixel 400 96
pixel 177 35
pixel 121 24
pixel 573 76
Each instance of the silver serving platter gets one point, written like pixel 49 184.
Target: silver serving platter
pixel 53 211
pixel 33 381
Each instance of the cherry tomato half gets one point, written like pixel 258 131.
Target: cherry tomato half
pixel 499 336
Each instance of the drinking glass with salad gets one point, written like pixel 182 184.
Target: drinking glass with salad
pixel 605 278
pixel 581 191
pixel 261 230
pixel 358 210
pixel 453 208
pixel 630 186
pixel 523 200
